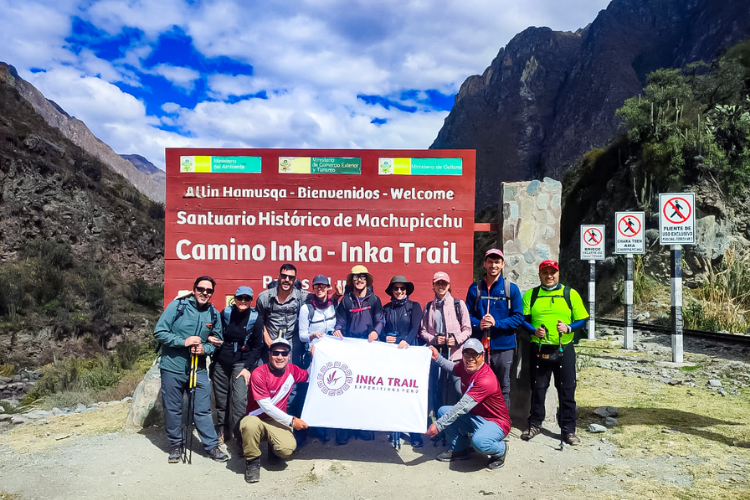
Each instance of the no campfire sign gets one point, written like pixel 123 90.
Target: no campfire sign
pixel 592 242
pixel 677 218
pixel 629 233
pixel 238 214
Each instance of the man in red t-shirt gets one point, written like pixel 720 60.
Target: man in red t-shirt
pixel 267 419
pixel 480 413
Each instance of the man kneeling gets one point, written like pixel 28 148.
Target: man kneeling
pixel 267 419
pixel 480 413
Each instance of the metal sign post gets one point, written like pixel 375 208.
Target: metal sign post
pixel 592 249
pixel 676 227
pixel 629 240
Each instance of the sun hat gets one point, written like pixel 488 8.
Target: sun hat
pixel 441 275
pixel 358 269
pixel 400 279
pixel 244 290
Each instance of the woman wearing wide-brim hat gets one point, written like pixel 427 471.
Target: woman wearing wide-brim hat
pixel 402 318
pixel 359 315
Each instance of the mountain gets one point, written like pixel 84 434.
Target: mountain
pixel 143 164
pixel 149 182
pixel 81 249
pixel 550 96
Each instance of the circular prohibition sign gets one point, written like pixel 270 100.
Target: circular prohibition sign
pixel 629 226
pixel 592 237
pixel 677 210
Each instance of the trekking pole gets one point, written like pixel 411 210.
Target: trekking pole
pixel 187 431
pixel 396 435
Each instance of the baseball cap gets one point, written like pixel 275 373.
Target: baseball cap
pixel 494 251
pixel 549 263
pixel 280 341
pixel 244 290
pixel 441 275
pixel 320 280
pixel 474 345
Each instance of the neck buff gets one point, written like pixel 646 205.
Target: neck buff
pixel 321 304
pixel 550 288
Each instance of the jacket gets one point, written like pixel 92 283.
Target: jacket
pixel 461 329
pixel 171 331
pixel 357 317
pixel 503 334
pixel 398 319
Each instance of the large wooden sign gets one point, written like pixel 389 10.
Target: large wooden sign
pixel 238 214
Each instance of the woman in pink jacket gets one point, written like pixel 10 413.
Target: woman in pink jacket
pixel 446 324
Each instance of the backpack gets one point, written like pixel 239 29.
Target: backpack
pixel 182 303
pixel 227 313
pixel 566 296
pixel 311 310
pixel 456 305
pixel 477 311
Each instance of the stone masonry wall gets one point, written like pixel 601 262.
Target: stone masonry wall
pixel 530 228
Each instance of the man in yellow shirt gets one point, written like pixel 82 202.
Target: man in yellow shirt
pixel 552 312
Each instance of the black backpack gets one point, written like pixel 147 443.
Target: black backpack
pixel 477 310
pixel 566 296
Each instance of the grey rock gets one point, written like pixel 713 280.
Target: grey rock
pixel 596 428
pixel 606 411
pixel 4 417
pixel 610 421
pixel 722 392
pixel 79 408
pixel 714 383
pixel 146 407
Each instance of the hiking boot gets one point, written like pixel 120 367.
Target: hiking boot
pixel 497 462
pixel 175 453
pixel 531 432
pixel 273 458
pixel 450 456
pixel 252 470
pixel 571 439
pixel 217 455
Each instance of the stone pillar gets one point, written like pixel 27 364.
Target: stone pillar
pixel 530 223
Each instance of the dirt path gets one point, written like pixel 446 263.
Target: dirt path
pixel 117 464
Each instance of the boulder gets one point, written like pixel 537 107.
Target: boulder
pixel 145 407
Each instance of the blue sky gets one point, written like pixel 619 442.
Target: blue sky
pixel 145 76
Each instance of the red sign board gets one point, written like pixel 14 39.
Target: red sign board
pixel 238 214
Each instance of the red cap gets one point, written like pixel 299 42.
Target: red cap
pixel 494 251
pixel 549 263
pixel 440 275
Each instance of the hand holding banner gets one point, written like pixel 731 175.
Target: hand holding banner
pixel 374 386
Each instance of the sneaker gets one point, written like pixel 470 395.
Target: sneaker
pixel 273 458
pixel 531 432
pixel 217 455
pixel 450 456
pixel 498 461
pixel 252 470
pixel 571 439
pixel 174 455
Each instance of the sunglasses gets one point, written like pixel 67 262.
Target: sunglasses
pixel 356 277
pixel 207 291
pixel 287 277
pixel 471 355
pixel 243 298
pixel 317 287
pixel 283 354
pixel 399 288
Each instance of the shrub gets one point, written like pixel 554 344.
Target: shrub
pixel 156 211
pixel 147 295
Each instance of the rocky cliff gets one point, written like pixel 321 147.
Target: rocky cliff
pixel 149 182
pixel 79 245
pixel 550 96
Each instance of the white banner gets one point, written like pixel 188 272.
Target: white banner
pixel 355 384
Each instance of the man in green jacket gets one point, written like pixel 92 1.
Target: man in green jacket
pixel 182 330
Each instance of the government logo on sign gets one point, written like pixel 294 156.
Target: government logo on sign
pixel 335 378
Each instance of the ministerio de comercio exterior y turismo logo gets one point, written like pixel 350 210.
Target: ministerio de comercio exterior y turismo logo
pixel 335 378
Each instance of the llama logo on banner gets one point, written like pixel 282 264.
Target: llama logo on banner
pixel 368 385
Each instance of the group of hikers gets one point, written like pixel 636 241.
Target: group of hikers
pixel 260 357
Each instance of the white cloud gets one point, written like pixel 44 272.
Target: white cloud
pixel 312 57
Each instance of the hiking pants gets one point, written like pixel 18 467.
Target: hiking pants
pixel 483 435
pixel 565 382
pixel 173 388
pixel 279 436
pixel 230 394
pixel 501 362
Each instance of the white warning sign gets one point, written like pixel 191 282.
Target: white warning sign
pixel 592 242
pixel 630 233
pixel 677 218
